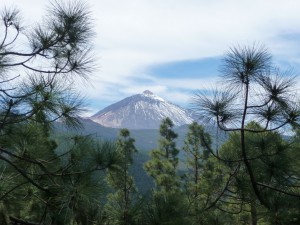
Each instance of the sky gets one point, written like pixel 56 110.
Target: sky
pixel 175 47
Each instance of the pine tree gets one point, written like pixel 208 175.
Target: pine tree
pixel 168 205
pixel 272 159
pixel 197 155
pixel 81 192
pixel 164 160
pixel 38 65
pixel 203 179
pixel 72 175
pixel 120 208
pixel 253 90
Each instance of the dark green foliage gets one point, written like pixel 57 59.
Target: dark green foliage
pixel 167 204
pixel 271 161
pixel 59 185
pixel 164 160
pixel 166 210
pixel 122 205
pixel 202 177
pixel 254 90
pixel 41 181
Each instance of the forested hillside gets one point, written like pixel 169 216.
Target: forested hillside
pixel 48 177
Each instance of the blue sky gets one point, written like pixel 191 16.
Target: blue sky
pixel 187 68
pixel 174 47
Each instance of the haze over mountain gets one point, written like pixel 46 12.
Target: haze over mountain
pixel 141 111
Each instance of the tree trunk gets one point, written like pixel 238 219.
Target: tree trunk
pixel 253 214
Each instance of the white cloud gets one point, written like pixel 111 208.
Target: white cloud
pixel 135 34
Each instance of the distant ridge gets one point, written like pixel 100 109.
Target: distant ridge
pixel 141 111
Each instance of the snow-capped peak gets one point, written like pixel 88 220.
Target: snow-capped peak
pixel 150 94
pixel 147 92
pixel 141 111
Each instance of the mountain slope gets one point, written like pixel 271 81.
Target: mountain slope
pixel 141 111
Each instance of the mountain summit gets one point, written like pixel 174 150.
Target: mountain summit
pixel 147 92
pixel 141 111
